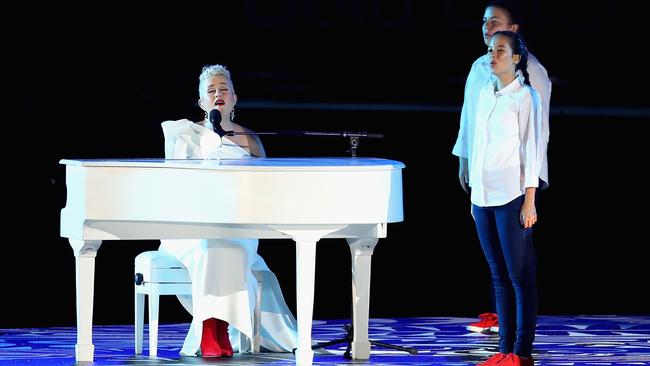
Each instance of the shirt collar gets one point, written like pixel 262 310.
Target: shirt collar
pixel 514 85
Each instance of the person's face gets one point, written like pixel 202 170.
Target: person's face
pixel 218 93
pixel 496 19
pixel 502 60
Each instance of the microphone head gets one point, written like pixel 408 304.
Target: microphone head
pixel 215 119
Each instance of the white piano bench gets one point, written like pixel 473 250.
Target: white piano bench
pixel 158 273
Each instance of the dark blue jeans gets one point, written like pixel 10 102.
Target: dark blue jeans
pixel 509 251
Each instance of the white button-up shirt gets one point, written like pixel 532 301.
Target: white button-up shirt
pixel 507 146
pixel 476 80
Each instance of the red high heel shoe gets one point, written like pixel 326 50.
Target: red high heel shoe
pixel 223 338
pixel 209 340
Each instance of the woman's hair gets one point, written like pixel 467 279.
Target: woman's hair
pixel 511 7
pixel 212 70
pixel 518 46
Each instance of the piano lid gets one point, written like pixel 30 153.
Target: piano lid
pixel 249 164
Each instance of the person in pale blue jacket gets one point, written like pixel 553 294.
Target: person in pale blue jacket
pixel 499 15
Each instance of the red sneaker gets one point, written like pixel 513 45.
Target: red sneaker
pixel 494 360
pixel 512 359
pixel 209 345
pixel 489 322
pixel 223 338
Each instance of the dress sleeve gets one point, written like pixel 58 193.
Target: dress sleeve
pixel 185 139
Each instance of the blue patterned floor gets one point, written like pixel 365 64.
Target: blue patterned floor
pixel 560 341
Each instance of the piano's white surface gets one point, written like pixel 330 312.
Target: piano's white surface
pixel 302 198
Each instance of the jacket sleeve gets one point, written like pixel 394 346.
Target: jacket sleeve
pixel 532 144
pixel 461 147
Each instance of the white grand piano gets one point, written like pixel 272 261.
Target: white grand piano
pixel 305 199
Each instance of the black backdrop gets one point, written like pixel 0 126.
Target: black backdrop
pixel 98 84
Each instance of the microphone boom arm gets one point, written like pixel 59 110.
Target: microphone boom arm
pixel 309 133
pixel 354 136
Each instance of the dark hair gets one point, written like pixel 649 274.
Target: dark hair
pixel 512 7
pixel 518 46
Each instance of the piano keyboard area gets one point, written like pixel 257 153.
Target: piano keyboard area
pixel 560 340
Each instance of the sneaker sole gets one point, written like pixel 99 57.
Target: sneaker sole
pixel 480 330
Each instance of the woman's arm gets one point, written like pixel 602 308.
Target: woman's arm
pixel 528 214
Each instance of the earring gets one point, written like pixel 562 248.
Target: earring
pixel 205 117
pixel 232 115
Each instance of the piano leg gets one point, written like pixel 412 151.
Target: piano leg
pixel 85 252
pixel 305 271
pixel 361 250
pixel 305 274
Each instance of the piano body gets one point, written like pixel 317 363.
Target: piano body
pixel 305 199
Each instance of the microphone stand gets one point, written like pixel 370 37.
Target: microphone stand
pixel 349 337
pixel 354 136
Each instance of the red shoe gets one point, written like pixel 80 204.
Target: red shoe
pixel 489 322
pixel 209 341
pixel 223 338
pixel 494 360
pixel 512 359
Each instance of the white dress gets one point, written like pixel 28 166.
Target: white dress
pixel 224 271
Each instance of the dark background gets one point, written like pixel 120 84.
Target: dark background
pixel 96 82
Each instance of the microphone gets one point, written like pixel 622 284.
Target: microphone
pixel 215 119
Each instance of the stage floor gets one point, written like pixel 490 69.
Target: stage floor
pixel 561 340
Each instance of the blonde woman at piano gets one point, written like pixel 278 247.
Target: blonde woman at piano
pixel 224 272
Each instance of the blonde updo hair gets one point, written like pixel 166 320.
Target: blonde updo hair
pixel 213 70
